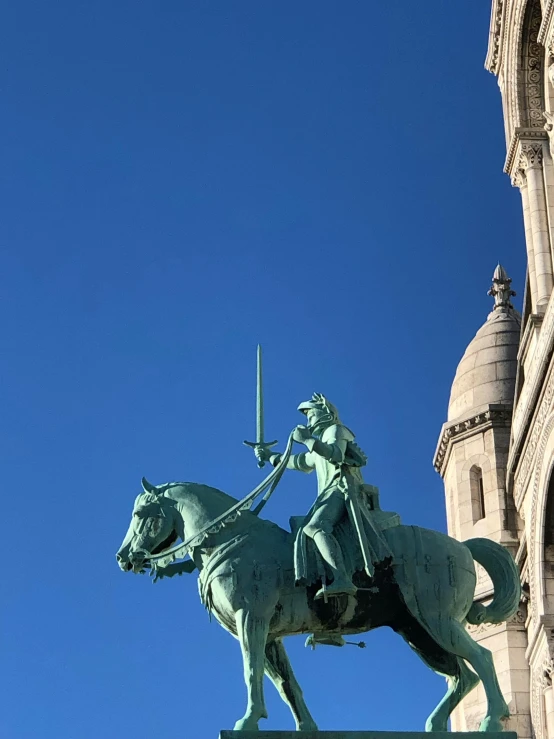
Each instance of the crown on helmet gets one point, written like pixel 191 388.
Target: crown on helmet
pixel 320 402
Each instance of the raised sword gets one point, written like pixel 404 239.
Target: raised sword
pixel 260 442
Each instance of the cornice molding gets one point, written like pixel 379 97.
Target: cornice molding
pixel 520 138
pixel 494 52
pixel 498 416
pixel 547 15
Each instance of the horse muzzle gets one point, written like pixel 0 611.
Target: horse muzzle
pixel 122 557
pixel 123 562
pixel 137 560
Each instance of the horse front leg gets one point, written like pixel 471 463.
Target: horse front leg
pixel 279 670
pixel 252 631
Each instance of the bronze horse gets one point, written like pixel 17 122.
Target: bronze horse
pixel 424 592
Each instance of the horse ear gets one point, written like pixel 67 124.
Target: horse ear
pixel 147 486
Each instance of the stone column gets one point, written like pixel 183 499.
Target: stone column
pixel 531 163
pixel 549 710
pixel 520 180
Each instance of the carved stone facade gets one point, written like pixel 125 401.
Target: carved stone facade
pixel 506 442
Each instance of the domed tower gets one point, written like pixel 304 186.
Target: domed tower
pixel 471 457
pixel 472 452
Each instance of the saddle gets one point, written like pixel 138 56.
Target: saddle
pixel 358 534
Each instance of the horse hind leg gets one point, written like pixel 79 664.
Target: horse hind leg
pixel 460 679
pixel 461 644
pixel 458 687
pixel 279 670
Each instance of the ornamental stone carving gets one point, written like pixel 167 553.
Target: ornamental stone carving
pixel 517 620
pixel 548 11
pixel 542 679
pixel 501 289
pixel 536 701
pixel 533 60
pixel 549 128
pixel 515 54
pixel 548 667
pixel 531 156
pixel 533 574
pixel 523 136
pixel 520 178
pixel 492 417
pixel 525 466
pixel 528 402
pixel 493 60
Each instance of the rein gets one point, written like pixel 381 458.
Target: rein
pixel 231 514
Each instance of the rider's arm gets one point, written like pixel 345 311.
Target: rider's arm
pixel 332 451
pixel 332 445
pixel 302 462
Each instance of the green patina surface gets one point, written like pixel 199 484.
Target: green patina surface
pixel 363 735
pixel 346 567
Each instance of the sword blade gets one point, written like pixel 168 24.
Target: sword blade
pixel 260 439
pixel 259 398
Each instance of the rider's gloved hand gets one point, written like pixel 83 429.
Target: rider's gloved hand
pixel 262 453
pixel 301 434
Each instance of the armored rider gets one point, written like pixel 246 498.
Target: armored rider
pixel 337 460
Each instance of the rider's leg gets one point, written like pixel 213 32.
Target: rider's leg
pixel 330 550
pixel 320 528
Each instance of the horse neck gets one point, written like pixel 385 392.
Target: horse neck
pixel 199 504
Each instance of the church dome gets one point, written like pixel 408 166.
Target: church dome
pixel 486 374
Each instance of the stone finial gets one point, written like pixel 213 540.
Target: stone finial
pixel 501 289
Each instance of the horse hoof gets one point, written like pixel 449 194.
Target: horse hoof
pixel 489 724
pixel 433 724
pixel 248 723
pixel 307 726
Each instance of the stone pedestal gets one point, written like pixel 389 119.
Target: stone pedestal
pixel 364 735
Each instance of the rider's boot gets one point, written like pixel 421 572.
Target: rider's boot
pixel 330 550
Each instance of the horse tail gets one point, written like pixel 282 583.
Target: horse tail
pixel 502 570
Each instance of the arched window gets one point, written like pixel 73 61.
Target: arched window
pixel 477 493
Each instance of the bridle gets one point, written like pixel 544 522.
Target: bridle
pixel 267 486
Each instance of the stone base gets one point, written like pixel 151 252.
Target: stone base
pixel 365 735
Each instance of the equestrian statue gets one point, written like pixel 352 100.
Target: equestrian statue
pixel 345 568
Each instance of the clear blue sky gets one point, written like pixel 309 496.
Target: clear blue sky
pixel 181 180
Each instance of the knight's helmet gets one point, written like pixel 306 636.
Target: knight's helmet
pixel 320 402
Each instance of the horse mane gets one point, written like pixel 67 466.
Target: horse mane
pixel 226 500
pixel 169 487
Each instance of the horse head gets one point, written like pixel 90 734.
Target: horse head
pixel 154 527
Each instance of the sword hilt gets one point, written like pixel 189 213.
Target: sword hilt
pixel 263 444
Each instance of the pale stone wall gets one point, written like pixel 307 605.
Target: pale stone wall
pixel 517 482
pixel 485 446
pixel 508 645
pixel 516 452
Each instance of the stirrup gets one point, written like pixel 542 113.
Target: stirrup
pixel 336 588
